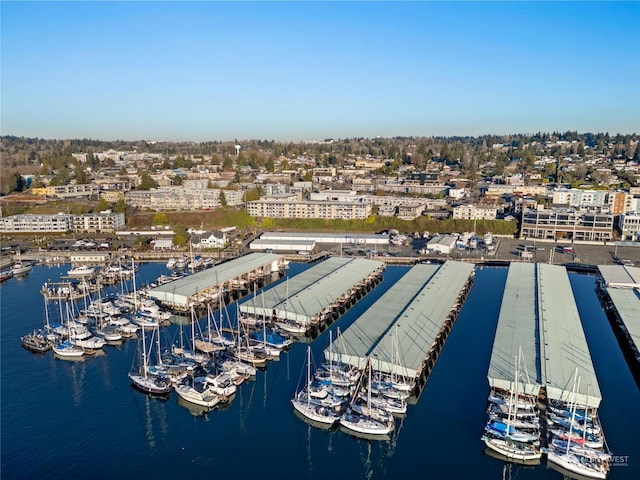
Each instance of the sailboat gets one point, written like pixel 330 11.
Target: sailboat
pixel 367 419
pixel 290 326
pixel 305 404
pixel 143 380
pixel 503 437
pixel 570 455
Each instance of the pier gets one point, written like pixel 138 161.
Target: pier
pixel 619 293
pixel 233 279
pixel 403 332
pixel 319 295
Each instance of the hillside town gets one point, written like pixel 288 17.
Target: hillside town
pixel 569 187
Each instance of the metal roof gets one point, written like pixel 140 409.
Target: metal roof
pixel 305 295
pixel 563 344
pixel 399 329
pixel 516 339
pixel 180 290
pixel 620 276
pixel 355 238
pixel 627 304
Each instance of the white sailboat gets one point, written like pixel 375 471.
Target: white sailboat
pixel 143 380
pixel 305 404
pixel 509 442
pixel 581 461
pixel 367 419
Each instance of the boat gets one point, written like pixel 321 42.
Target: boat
pixel 366 419
pixel 573 455
pixel 199 393
pixel 37 341
pixel 503 437
pixel 145 381
pixel 20 268
pixel 305 403
pixel 81 271
pixel 66 349
pixel 5 275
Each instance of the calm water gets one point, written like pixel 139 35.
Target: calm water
pixel 64 419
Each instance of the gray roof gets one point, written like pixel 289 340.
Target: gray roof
pixel 328 237
pixel 179 291
pixel 627 303
pixel 399 329
pixel 620 276
pixel 563 346
pixel 304 296
pixel 516 336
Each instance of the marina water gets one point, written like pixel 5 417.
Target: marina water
pixel 80 419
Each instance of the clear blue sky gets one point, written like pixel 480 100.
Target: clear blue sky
pixel 312 70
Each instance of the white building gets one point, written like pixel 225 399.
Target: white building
pixel 180 198
pixel 103 222
pixel 215 239
pixel 629 226
pixel 475 212
pixel 36 223
pixel 291 207
pixel 443 244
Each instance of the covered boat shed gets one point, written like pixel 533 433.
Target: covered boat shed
pixel 539 329
pixel 183 292
pixel 563 345
pixel 516 339
pixel 404 330
pixel 306 296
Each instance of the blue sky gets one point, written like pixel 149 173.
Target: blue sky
pixel 312 70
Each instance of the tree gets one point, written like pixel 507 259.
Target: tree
pixel 146 182
pixel 160 219
pixel 271 165
pixel 102 205
pixel 223 199
pixel 81 175
pixel 177 180
pixel 120 206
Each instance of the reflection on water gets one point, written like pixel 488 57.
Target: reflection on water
pixel 152 413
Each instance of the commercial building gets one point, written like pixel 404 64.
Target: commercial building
pixel 566 224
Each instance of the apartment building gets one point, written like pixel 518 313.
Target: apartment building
pixel 575 197
pixel 179 198
pixel 103 222
pixel 68 191
pixel 475 212
pixel 28 223
pixel 291 207
pixel 569 224
pixel 629 226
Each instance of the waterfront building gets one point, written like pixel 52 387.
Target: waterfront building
pixel 566 224
pixel 27 223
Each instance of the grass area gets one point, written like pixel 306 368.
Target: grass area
pixel 225 217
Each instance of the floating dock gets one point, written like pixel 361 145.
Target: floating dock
pixel 320 294
pixel 619 293
pixel 539 318
pixel 233 278
pixel 403 332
